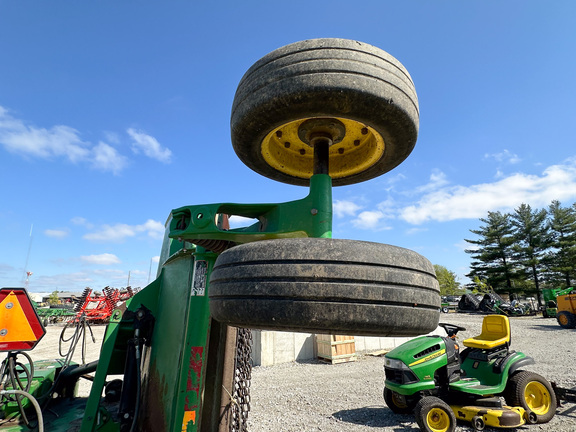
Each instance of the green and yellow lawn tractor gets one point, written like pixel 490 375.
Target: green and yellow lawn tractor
pixel 485 383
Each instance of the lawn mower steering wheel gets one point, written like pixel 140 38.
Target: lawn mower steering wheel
pixel 451 329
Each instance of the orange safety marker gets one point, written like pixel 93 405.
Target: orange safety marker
pixel 20 326
pixel 189 416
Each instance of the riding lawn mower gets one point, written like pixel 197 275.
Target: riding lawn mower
pixel 485 383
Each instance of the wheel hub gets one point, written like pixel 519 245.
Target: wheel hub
pixel 353 146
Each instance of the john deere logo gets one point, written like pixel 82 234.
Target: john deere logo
pixel 428 357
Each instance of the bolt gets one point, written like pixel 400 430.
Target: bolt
pixel 302 151
pixel 364 131
pixel 9 305
pixel 340 150
pixel 356 143
pixel 279 134
pixel 314 211
pixel 287 144
pixel 3 332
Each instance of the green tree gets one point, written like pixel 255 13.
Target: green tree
pixel 448 281
pixel 493 258
pixel 533 239
pixel 562 257
pixel 479 286
pixel 53 298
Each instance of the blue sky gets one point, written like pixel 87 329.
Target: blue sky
pixel 112 113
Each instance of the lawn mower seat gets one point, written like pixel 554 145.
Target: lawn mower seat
pixel 495 333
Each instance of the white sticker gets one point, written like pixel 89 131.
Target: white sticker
pixel 200 278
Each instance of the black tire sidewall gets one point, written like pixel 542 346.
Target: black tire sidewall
pixel 424 406
pixel 514 393
pixel 325 286
pixel 337 87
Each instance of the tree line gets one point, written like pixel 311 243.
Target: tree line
pixel 525 251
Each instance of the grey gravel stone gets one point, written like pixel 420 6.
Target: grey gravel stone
pixel 317 396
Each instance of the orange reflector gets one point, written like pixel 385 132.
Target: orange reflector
pixel 20 327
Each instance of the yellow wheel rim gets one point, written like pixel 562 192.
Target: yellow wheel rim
pixel 398 401
pixel 360 148
pixel 438 420
pixel 563 319
pixel 537 397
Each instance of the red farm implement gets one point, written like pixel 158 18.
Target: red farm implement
pixel 97 308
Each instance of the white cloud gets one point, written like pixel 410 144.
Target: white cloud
pixel 56 233
pixel 504 156
pixel 156 259
pixel 107 158
pixel 370 220
pixel 236 221
pixel 149 145
pixel 343 208
pixel 102 259
pixel 119 232
pixel 437 180
pixel 472 202
pixel 59 141
pixel 81 222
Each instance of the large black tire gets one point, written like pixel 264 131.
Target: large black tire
pixel 398 404
pixel 434 415
pixel 358 84
pixel 533 393
pixel 566 319
pixel 322 285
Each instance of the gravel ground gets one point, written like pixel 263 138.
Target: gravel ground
pixel 317 396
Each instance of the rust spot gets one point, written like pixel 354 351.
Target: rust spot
pixel 194 375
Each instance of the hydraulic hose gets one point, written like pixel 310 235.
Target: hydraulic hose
pixel 138 378
pixel 34 402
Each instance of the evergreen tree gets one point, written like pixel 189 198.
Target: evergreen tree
pixel 493 257
pixel 562 258
pixel 533 239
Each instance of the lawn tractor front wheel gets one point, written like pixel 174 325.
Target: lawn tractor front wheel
pixel 399 404
pixel 320 285
pixel 434 415
pixel 533 393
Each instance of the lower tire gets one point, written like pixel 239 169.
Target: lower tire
pixel 533 393
pixel 319 285
pixel 434 415
pixel 399 404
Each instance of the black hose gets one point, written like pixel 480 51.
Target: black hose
pixel 138 377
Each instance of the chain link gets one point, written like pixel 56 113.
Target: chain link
pixel 242 376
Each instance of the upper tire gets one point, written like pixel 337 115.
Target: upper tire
pixel 359 85
pixel 320 285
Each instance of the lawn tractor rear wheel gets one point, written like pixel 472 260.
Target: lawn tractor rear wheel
pixel 434 415
pixel 356 97
pixel 320 285
pixel 533 393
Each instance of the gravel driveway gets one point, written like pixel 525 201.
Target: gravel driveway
pixel 317 396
